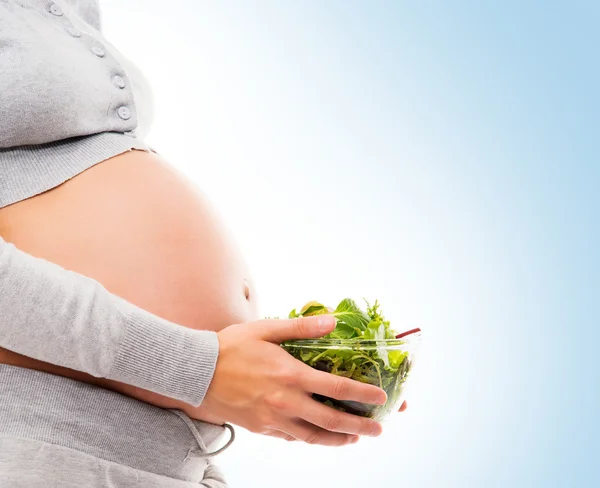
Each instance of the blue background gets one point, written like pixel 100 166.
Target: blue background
pixel 440 156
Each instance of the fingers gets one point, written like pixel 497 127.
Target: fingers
pixel 403 407
pixel 311 434
pixel 278 331
pixel 341 388
pixel 333 420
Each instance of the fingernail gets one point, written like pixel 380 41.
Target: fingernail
pixel 325 323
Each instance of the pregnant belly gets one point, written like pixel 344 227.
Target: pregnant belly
pixel 147 234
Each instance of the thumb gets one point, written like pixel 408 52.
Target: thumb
pixel 278 330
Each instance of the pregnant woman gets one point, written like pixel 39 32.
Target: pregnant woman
pixel 129 339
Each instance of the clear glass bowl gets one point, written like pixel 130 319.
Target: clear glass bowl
pixel 385 363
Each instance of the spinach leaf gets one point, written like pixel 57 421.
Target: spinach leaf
pixel 379 366
pixel 349 315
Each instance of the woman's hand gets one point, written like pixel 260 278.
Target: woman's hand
pixel 259 386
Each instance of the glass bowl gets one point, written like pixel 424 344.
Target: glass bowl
pixel 385 363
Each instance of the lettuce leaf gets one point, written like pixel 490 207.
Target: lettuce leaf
pixel 387 369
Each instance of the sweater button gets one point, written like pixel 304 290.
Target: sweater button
pixel 124 112
pixel 55 10
pixel 118 81
pixel 74 32
pixel 98 51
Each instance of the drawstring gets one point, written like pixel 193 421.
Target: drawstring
pixel 203 451
pixel 201 454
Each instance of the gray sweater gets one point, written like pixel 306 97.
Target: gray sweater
pixel 68 100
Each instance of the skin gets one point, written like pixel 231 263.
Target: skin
pixel 281 397
pixel 143 231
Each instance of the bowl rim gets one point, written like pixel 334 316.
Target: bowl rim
pixel 412 339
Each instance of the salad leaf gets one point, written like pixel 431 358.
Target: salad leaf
pixel 348 314
pixel 311 308
pixel 379 365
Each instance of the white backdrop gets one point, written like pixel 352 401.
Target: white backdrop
pixel 354 151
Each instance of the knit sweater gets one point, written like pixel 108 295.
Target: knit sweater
pixel 69 100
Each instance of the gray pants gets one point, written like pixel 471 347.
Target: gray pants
pixel 60 433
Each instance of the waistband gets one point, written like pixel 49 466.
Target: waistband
pixel 106 424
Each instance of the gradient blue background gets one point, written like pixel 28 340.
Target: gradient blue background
pixel 440 156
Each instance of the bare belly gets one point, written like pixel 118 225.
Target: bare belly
pixel 147 234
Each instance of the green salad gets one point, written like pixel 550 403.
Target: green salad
pixel 363 347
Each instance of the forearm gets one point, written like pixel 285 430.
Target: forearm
pixel 70 321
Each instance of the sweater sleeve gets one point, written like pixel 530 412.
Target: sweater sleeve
pixel 89 11
pixel 64 318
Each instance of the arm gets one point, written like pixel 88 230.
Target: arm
pixel 66 319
